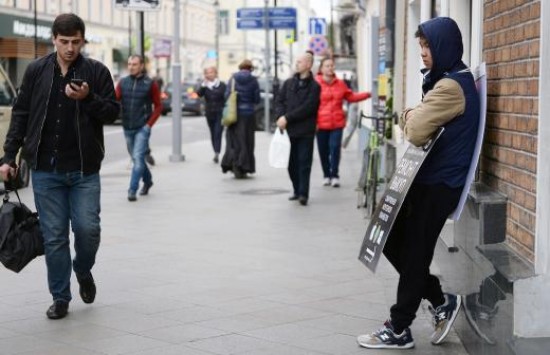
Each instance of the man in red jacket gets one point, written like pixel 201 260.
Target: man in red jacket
pixel 331 119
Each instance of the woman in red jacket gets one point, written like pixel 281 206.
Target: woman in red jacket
pixel 331 119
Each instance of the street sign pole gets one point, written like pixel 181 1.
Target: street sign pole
pixel 267 67
pixel 176 90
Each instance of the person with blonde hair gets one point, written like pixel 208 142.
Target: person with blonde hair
pixel 213 92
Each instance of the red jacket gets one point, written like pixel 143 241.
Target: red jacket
pixel 331 115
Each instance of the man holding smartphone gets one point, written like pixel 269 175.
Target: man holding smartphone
pixel 57 120
pixel 138 94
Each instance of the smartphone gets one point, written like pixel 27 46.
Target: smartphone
pixel 77 82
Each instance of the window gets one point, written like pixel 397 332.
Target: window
pixel 223 16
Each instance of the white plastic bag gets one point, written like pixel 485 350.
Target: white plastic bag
pixel 279 149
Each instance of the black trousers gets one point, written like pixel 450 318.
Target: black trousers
pixel 299 164
pixel 410 248
pixel 214 120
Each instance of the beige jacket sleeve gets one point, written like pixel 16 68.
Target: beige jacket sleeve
pixel 442 104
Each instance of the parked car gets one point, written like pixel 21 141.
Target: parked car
pixel 7 98
pixel 190 100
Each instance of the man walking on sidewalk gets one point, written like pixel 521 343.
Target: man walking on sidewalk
pixel 58 118
pixel 296 109
pixel 138 94
pixel 450 100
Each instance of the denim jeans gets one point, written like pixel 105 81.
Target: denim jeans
pixel 299 164
pixel 61 198
pixel 329 143
pixel 137 142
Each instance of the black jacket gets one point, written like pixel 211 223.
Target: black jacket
pixel 214 98
pixel 30 109
pixel 298 101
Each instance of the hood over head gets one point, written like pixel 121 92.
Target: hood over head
pixel 446 47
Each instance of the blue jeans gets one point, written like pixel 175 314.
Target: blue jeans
pixel 61 198
pixel 299 164
pixel 137 142
pixel 329 143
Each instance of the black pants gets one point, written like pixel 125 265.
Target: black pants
pixel 410 248
pixel 299 164
pixel 214 120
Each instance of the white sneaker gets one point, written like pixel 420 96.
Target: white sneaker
pixel 335 182
pixel 326 182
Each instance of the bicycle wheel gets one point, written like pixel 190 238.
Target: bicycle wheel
pixel 362 183
pixel 372 182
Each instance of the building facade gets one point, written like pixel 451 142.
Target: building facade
pixel 111 34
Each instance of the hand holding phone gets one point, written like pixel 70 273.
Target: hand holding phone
pixel 77 82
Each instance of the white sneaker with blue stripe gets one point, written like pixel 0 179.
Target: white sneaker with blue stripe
pixel 385 338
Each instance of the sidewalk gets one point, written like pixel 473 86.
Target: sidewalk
pixel 207 264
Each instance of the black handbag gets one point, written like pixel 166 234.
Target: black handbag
pixel 21 239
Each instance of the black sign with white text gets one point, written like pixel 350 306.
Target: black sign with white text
pixel 389 205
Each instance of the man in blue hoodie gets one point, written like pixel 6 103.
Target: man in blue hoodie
pixel 450 100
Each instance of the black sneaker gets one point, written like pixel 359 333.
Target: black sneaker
pixel 58 310
pixel 385 338
pixel 302 200
pixel 145 189
pixel 293 198
pixel 132 196
pixel 149 159
pixel 87 289
pixel 444 317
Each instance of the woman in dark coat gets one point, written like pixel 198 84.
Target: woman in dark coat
pixel 213 91
pixel 239 148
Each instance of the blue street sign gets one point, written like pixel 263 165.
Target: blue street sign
pixel 282 12
pixel 282 23
pixel 257 12
pixel 250 12
pixel 252 18
pixel 317 26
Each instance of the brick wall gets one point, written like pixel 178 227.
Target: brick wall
pixel 511 39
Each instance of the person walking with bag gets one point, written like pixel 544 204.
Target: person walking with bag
pixel 138 94
pixel 331 119
pixel 63 102
pixel 296 108
pixel 213 91
pixel 239 144
pixel 450 100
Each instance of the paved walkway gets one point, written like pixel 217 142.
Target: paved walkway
pixel 212 265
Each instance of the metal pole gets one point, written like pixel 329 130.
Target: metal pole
pixel 267 67
pixel 130 52
pixel 35 31
pixel 176 89
pixel 140 35
pixel 217 7
pixel 276 66
pixel 331 30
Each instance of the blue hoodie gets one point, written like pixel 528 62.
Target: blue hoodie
pixel 449 160
pixel 248 91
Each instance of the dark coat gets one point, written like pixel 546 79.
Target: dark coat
pixel 29 111
pixel 298 101
pixel 248 91
pixel 214 98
